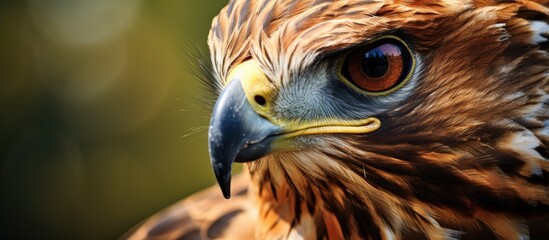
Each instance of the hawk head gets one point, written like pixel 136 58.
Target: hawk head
pixel 367 117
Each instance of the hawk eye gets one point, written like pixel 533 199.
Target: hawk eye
pixel 380 67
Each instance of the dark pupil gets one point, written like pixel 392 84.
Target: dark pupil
pixel 374 63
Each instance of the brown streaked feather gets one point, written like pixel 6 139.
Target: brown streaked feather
pixel 469 147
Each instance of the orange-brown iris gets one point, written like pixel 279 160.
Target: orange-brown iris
pixel 377 68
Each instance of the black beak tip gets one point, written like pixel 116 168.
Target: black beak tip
pixel 226 189
pixel 224 181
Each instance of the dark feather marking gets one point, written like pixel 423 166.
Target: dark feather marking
pixel 360 168
pixel 411 213
pixel 311 198
pixel 543 151
pixel 242 192
pixel 380 182
pixel 230 7
pixel 350 213
pixel 216 229
pixel 509 162
pixel 542 179
pixel 297 196
pixel 530 123
pixel 381 164
pixel 266 212
pixel 311 202
pixel 244 13
pixel 273 225
pixel 532 15
pixel 273 190
pixel 321 230
pixel 191 235
pixel 267 180
pixel 367 226
pixel 363 218
pixel 432 181
pixel 297 209
pixel 167 225
pixel 340 212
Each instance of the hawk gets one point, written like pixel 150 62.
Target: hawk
pixel 373 119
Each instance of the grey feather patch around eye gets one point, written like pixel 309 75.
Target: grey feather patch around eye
pixel 318 93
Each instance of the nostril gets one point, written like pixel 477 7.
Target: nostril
pixel 260 100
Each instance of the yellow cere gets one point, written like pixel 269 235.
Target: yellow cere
pixel 255 83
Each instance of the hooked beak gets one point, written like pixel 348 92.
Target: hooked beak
pixel 237 134
pixel 242 129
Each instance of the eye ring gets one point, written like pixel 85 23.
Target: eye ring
pixel 380 67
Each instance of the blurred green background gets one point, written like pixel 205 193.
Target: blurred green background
pixel 100 126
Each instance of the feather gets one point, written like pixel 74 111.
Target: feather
pixel 463 147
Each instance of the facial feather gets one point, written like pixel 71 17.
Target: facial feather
pixel 463 145
pixel 473 121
